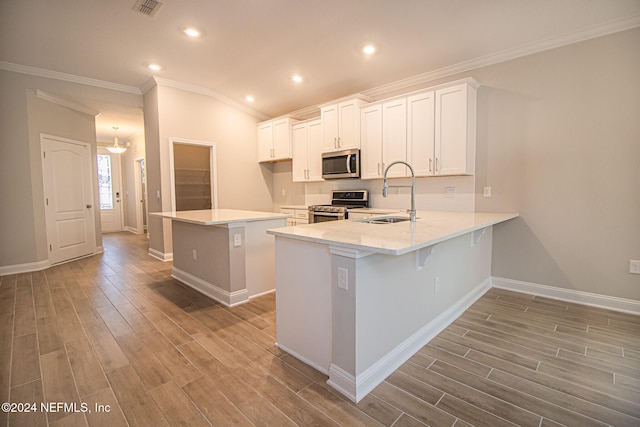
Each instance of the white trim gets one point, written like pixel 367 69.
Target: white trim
pixel 270 291
pixel 229 299
pixel 140 219
pixel 161 255
pixel 99 250
pixel 65 103
pixel 40 72
pixel 213 171
pixel 359 386
pixel 348 252
pixel 131 230
pixel 188 87
pixel 569 295
pixel 27 267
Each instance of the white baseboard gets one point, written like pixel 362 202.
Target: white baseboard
pixel 569 295
pixel 132 230
pixel 28 267
pixel 227 298
pixel 355 388
pixel 161 255
pixel 99 250
pixel 303 359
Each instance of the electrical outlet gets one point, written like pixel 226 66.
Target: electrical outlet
pixel 449 191
pixel 486 191
pixel 343 278
pixel 237 240
pixel 436 285
pixel 634 266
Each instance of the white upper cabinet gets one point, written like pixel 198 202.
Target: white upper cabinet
pixel 274 140
pixel 421 113
pixel 341 125
pixel 307 151
pixel 442 131
pixel 383 138
pixel 394 137
pixel 371 139
pixel 455 130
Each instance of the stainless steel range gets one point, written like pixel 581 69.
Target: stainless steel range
pixel 341 202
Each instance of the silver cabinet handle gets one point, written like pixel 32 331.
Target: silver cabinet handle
pixel 430 164
pixel 437 165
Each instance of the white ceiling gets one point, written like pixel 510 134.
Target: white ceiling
pixel 254 46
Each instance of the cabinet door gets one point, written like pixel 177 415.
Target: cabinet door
pixel 282 139
pixel 420 135
pixel 371 140
pixel 451 130
pixel 314 150
pixel 348 125
pixel 299 134
pixel 394 137
pixel 265 142
pixel 329 116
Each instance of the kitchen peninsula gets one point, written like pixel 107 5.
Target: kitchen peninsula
pixel 355 299
pixel 224 253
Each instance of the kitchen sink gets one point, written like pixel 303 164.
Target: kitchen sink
pixel 385 220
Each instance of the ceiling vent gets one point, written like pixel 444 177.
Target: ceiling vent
pixel 147 7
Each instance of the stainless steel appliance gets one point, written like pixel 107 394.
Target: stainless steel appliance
pixel 341 164
pixel 341 202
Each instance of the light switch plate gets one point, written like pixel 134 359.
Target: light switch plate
pixel 486 191
pixel 634 266
pixel 343 278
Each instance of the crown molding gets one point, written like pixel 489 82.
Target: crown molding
pixel 39 72
pixel 65 103
pixel 188 87
pixel 610 27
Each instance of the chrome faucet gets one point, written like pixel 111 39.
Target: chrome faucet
pixel 385 188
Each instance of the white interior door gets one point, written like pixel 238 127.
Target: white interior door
pixel 68 193
pixel 109 191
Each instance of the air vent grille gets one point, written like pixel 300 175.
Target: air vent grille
pixel 147 7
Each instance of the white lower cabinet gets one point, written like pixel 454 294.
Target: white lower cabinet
pixel 298 216
pixel 307 151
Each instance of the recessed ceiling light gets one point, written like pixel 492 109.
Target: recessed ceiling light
pixel 297 78
pixel 369 49
pixel 250 98
pixel 192 32
pixel 155 67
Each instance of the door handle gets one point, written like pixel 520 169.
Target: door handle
pixel 89 206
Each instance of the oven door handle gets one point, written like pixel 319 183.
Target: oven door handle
pixel 348 157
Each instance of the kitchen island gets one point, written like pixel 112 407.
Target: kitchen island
pixel 356 299
pixel 224 253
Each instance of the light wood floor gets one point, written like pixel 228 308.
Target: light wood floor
pixel 116 330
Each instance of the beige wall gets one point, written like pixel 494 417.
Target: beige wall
pixel 23 117
pixel 242 182
pixel 559 142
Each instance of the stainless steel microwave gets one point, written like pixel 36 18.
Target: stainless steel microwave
pixel 341 164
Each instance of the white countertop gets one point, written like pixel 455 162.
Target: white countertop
pixel 394 239
pixel 219 216
pixel 376 211
pixel 300 207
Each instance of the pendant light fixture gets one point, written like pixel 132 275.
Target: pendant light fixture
pixel 116 149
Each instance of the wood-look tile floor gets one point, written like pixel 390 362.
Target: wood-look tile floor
pixel 115 330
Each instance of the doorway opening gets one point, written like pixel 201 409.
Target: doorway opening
pixel 193 175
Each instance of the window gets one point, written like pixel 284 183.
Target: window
pixel 105 187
